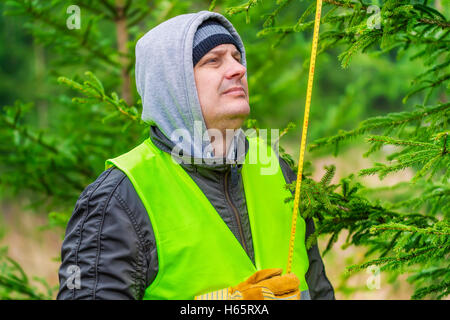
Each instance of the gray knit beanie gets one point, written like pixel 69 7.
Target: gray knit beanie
pixel 209 35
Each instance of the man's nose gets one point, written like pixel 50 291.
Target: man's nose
pixel 235 69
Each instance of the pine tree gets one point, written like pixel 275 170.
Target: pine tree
pixel 411 236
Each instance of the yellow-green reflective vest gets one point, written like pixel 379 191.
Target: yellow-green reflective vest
pixel 197 252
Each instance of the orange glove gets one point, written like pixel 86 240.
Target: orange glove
pixel 267 284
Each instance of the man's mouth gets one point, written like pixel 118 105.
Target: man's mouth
pixel 235 91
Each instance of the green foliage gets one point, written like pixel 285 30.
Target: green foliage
pixel 14 283
pixel 95 93
pixel 85 120
pixel 396 95
pixel 399 123
pixel 404 238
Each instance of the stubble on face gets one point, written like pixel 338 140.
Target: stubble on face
pixel 217 72
pixel 217 76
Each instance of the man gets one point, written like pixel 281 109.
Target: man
pixel 156 224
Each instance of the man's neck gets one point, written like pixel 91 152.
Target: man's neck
pixel 221 144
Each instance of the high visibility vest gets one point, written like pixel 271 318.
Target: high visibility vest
pixel 197 252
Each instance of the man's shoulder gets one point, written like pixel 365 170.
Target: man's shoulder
pixel 111 185
pixel 106 183
pixel 113 197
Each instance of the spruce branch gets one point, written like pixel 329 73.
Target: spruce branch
pixel 432 70
pixel 109 7
pixel 270 20
pixel 347 4
pixel 89 5
pixel 93 90
pixel 12 121
pixel 382 169
pixel 289 127
pixel 15 283
pixel 431 194
pixel 439 22
pixel 139 15
pixel 242 8
pixel 392 120
pixel 442 231
pixel 431 84
pixel 443 287
pixel 44 15
pixel 397 142
pixel 212 5
pixel 422 172
pixel 393 262
pixel 429 153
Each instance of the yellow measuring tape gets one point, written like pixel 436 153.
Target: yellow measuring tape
pixel 304 132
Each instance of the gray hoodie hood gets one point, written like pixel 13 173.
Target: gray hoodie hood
pixel 165 81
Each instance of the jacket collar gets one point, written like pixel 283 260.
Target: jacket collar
pixel 198 165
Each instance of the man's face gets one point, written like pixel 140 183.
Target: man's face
pixel 215 74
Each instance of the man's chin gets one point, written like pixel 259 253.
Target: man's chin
pixel 239 111
pixel 236 121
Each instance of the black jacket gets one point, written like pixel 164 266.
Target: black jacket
pixel 110 240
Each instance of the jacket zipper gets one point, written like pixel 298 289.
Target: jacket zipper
pixel 227 195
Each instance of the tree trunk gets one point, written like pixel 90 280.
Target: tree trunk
pixel 122 40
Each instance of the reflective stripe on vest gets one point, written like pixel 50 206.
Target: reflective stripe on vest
pixel 197 252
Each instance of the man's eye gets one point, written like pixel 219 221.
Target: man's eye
pixel 211 60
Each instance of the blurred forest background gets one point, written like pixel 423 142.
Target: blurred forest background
pixel 69 102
